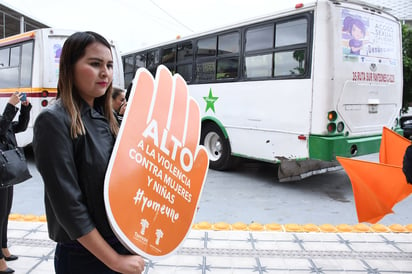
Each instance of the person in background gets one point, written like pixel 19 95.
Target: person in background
pixel 119 103
pixel 72 144
pixel 8 129
pixel 407 164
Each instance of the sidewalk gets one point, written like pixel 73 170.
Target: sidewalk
pixel 239 248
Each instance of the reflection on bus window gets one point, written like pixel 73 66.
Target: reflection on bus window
pixel 26 65
pixel 4 57
pixel 206 47
pixel 291 33
pixel 259 38
pixel 168 55
pixel 140 60
pixel 205 71
pixel 16 65
pixel 290 63
pixel 185 71
pixel 227 68
pixel 152 61
pixel 185 52
pixel 229 43
pixel 15 56
pixel 128 68
pixel 258 66
pixel 128 65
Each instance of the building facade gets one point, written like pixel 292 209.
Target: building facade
pixel 14 22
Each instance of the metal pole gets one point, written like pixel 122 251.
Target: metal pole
pixel 21 24
pixel 4 25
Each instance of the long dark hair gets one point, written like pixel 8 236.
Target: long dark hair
pixel 74 48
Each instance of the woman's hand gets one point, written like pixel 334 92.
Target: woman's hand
pixel 129 264
pixel 15 98
pixel 122 108
pixel 25 103
pixel 94 242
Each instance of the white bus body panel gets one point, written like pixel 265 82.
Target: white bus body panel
pixel 269 130
pixel 363 89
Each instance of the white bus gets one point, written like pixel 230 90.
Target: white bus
pixel 298 87
pixel 29 62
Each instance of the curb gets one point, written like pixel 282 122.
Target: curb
pixel 273 227
pixel 356 228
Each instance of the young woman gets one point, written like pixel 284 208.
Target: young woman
pixel 119 103
pixel 8 129
pixel 72 144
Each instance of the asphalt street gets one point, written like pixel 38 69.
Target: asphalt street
pixel 252 194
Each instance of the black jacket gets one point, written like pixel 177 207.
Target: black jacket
pixel 8 127
pixel 407 164
pixel 73 171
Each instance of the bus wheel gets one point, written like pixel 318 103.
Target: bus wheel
pixel 217 147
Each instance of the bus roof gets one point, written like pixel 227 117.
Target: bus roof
pixel 17 38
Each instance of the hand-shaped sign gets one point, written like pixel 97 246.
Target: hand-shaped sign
pixel 158 168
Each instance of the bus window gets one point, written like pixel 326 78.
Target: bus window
pixel 128 64
pixel 205 71
pixel 227 68
pixel 4 57
pixel 128 68
pixel 259 38
pixel 168 55
pixel 9 75
pixel 152 61
pixel 26 64
pixel 185 52
pixel 15 56
pixel 140 61
pixel 184 59
pixel 258 66
pixel 185 71
pixel 206 47
pixel 290 63
pixel 291 33
pixel 228 43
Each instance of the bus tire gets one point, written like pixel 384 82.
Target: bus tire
pixel 217 147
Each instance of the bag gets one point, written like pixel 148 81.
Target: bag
pixel 13 167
